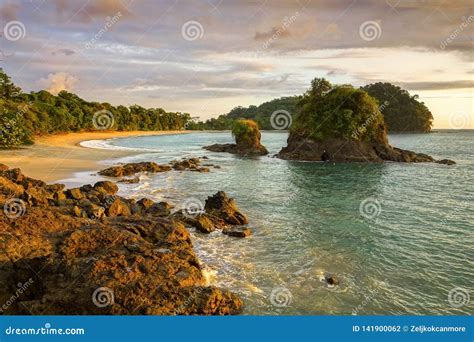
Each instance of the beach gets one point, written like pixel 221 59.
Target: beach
pixel 58 156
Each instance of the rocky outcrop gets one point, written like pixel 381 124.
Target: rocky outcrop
pixel 247 140
pixel 191 164
pixel 89 251
pixel 236 149
pixel 348 150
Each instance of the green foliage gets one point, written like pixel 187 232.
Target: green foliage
pixel 328 111
pixel 402 112
pixel 246 132
pixel 260 114
pixel 43 113
pixel 11 132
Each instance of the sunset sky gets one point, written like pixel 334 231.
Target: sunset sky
pixel 206 57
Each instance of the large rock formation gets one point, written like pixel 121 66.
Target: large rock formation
pixel 247 140
pixel 342 124
pixel 88 251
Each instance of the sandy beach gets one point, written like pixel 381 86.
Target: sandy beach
pixel 57 157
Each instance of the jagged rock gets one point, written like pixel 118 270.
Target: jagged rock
pixel 133 168
pixel 204 224
pixel 237 232
pixel 3 167
pixel 236 149
pixel 130 180
pixel 159 209
pixel 124 265
pixel 145 203
pixel 118 208
pixel 446 162
pixel 221 206
pixel 331 279
pixel 106 187
pixel 75 193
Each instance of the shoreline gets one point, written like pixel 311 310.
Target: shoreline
pixel 57 157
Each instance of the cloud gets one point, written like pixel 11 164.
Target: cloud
pixel 65 52
pixel 461 84
pixel 56 82
pixel 8 11
pixel 274 31
pixel 86 11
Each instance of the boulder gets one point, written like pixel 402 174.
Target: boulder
pixel 75 193
pixel 446 162
pixel 106 187
pixel 203 224
pixel 118 207
pixel 331 279
pixel 133 168
pixel 241 232
pixel 220 205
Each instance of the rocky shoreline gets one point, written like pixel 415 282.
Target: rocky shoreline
pixel 302 148
pixel 87 250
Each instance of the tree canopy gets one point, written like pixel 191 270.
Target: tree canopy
pixel 328 111
pixel 402 112
pixel 39 113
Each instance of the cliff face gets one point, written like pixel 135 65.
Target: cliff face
pixel 88 251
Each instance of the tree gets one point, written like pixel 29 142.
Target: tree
pixel 11 132
pixel 402 112
pixel 8 90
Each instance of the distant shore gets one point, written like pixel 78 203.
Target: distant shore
pixel 58 156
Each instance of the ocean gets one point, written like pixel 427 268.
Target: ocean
pixel 399 237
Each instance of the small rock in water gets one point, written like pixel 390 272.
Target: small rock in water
pixel 130 180
pixel 446 162
pixel 238 232
pixel 331 279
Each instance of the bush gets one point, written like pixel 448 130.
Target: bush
pixel 246 132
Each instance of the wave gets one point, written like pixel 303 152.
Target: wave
pixel 107 145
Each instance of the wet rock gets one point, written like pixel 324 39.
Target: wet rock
pixel 220 205
pixel 159 209
pixel 204 224
pixel 145 203
pixel 130 180
pixel 236 149
pixel 133 168
pixel 241 232
pixel 120 265
pixel 331 279
pixel 446 162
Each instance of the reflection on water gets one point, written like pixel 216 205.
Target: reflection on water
pixel 306 221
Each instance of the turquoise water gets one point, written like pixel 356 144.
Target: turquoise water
pixel 412 246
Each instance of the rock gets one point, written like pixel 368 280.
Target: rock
pixel 247 140
pixel 133 168
pixel 130 180
pixel 221 206
pixel 75 193
pixel 203 224
pixel 331 279
pixel 118 208
pixel 106 187
pixel 236 149
pixel 118 265
pixel 446 162
pixel 191 164
pixel 145 203
pixel 238 232
pixel 158 209
pixel 3 167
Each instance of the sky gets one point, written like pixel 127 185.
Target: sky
pixel 207 57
